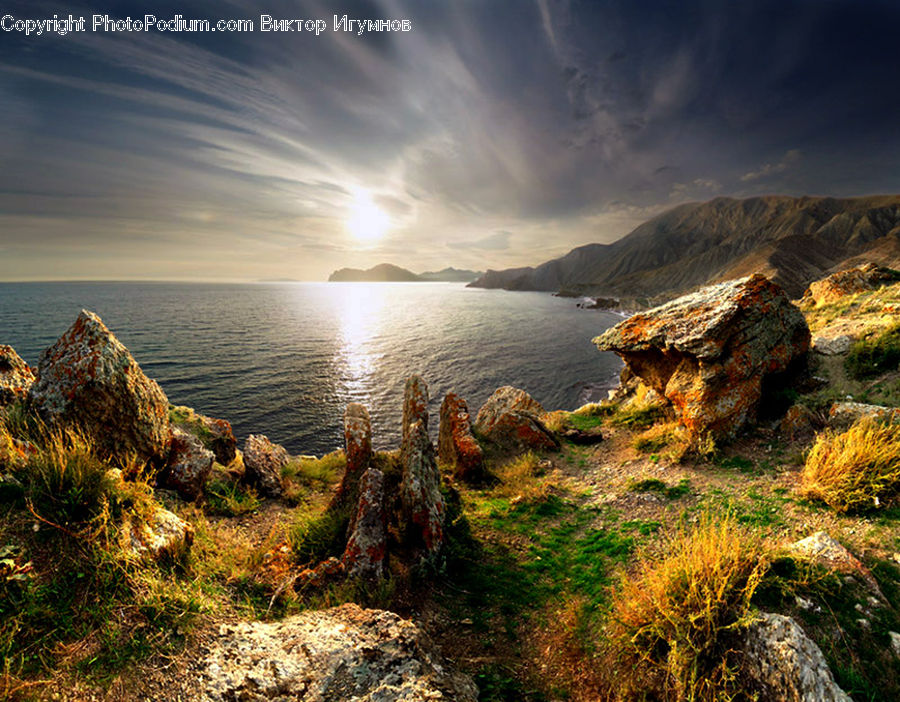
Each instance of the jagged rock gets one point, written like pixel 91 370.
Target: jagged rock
pixel 358 450
pixel 367 545
pixel 511 418
pixel 457 446
pixel 162 534
pixel 420 488
pixel 16 376
pixel 799 421
pixel 824 549
pixel 88 378
pixel 415 403
pixel 848 282
pixel 786 663
pixel 189 464
pixel 832 345
pixel 344 653
pixel 843 414
pixel 708 352
pixel 263 461
pixel 215 434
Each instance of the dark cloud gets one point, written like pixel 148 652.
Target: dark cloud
pixel 564 121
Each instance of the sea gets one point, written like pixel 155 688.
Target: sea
pixel 284 359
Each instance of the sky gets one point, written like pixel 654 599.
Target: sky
pixel 492 134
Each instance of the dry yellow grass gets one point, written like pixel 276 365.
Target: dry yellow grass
pixel 677 615
pixel 521 477
pixel 854 470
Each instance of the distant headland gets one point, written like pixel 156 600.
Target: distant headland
pixel 388 273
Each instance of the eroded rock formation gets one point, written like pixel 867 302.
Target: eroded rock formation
pixel 457 446
pixel 708 352
pixel 420 489
pixel 89 379
pixel 848 282
pixel 367 545
pixel 512 419
pixel 358 450
pixel 263 461
pixel 344 653
pixel 16 376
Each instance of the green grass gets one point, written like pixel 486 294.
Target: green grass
pixel 316 537
pixel 672 492
pixel 636 417
pixel 874 354
pixel 230 498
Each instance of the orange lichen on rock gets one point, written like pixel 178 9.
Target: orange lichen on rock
pixel 457 446
pixel 708 352
pixel 848 282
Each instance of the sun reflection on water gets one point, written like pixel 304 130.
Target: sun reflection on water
pixel 359 307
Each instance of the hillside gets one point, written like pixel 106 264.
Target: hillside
pixel 450 275
pixel 791 240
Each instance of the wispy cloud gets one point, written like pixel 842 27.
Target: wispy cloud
pixel 498 241
pixel 767 169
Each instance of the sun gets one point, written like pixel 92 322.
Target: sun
pixel 366 222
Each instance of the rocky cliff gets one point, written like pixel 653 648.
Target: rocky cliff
pixel 792 241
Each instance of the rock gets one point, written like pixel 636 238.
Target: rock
pixel 582 438
pixel 189 464
pixel 786 663
pixel 367 545
pixel 330 569
pixel 823 549
pixel 708 352
pixel 843 414
pixel 457 446
pixel 263 461
pixel 16 376
pixel 895 642
pixel 511 418
pixel 215 434
pixel 420 491
pixel 358 450
pixel 799 421
pixel 163 534
pixel 832 346
pixel 848 282
pixel 343 653
pixel 88 378
pixel 415 403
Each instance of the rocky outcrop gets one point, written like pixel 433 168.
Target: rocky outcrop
pixel 512 419
pixel 420 490
pixel 344 653
pixel 848 282
pixel 708 352
pixel 161 535
pixel 832 345
pixel 89 379
pixel 786 663
pixel 843 414
pixel 415 404
pixel 457 446
pixel 358 450
pixel 263 461
pixel 215 434
pixel 189 464
pixel 367 545
pixel 16 376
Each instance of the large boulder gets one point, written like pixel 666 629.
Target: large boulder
pixel 420 490
pixel 848 282
pixel 367 545
pixel 457 446
pixel 344 653
pixel 263 461
pixel 708 352
pixel 786 663
pixel 512 419
pixel 89 379
pixel 358 450
pixel 843 414
pixel 189 465
pixel 16 376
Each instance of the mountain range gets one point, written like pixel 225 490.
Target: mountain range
pixel 389 273
pixel 792 240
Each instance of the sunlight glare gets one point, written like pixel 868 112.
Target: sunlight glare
pixel 366 222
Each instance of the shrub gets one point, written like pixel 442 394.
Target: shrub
pixel 521 477
pixel 231 498
pixel 679 615
pixel 65 480
pixel 558 421
pixel 874 354
pixel 854 470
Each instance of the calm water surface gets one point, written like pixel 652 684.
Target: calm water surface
pixel 284 359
